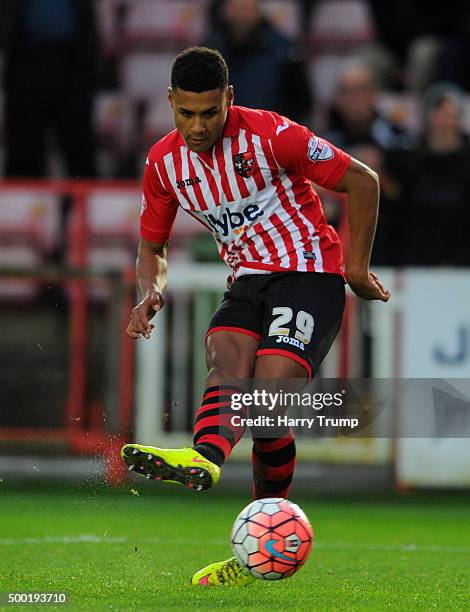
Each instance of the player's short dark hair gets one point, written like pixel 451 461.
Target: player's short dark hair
pixel 199 69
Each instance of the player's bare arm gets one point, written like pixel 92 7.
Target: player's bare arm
pixel 362 186
pixel 151 269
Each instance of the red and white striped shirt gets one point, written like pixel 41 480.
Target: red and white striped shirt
pixel 252 190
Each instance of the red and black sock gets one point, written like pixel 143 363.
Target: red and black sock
pixel 273 462
pixel 214 433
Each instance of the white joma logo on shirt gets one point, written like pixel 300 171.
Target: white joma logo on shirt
pixel 282 127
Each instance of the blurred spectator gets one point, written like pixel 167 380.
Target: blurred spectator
pixel 50 49
pixel 434 185
pixel 357 126
pixel 429 42
pixel 306 9
pixel 267 70
pixel 355 122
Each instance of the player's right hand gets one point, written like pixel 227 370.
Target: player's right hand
pixel 140 325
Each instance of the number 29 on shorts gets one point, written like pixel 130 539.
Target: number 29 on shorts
pixel 304 323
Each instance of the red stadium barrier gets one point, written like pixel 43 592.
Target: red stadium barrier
pixel 98 439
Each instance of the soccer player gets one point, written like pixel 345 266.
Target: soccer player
pixel 246 175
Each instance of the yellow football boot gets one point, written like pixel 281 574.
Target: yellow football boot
pixel 176 465
pixel 223 573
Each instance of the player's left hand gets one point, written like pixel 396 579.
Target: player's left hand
pixel 367 286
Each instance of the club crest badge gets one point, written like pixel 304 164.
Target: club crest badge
pixel 244 164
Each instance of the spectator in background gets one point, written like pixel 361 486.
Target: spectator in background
pixel 306 9
pixel 434 185
pixel 50 49
pixel 356 125
pixel 430 43
pixel 355 120
pixel 267 70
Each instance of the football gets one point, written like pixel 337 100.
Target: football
pixel 272 538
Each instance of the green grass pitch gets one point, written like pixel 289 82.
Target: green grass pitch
pixel 119 550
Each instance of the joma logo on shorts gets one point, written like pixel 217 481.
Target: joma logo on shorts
pixel 291 341
pixel 229 220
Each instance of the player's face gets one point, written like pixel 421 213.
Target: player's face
pixel 200 117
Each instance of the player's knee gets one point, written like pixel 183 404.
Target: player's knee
pixel 230 366
pixel 230 356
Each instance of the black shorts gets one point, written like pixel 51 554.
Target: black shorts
pixel 296 314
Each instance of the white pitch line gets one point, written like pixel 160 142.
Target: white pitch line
pixel 340 545
pixel 95 539
pixel 79 539
pixel 395 547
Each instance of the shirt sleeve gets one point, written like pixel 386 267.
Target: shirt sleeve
pixel 300 151
pixel 159 208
